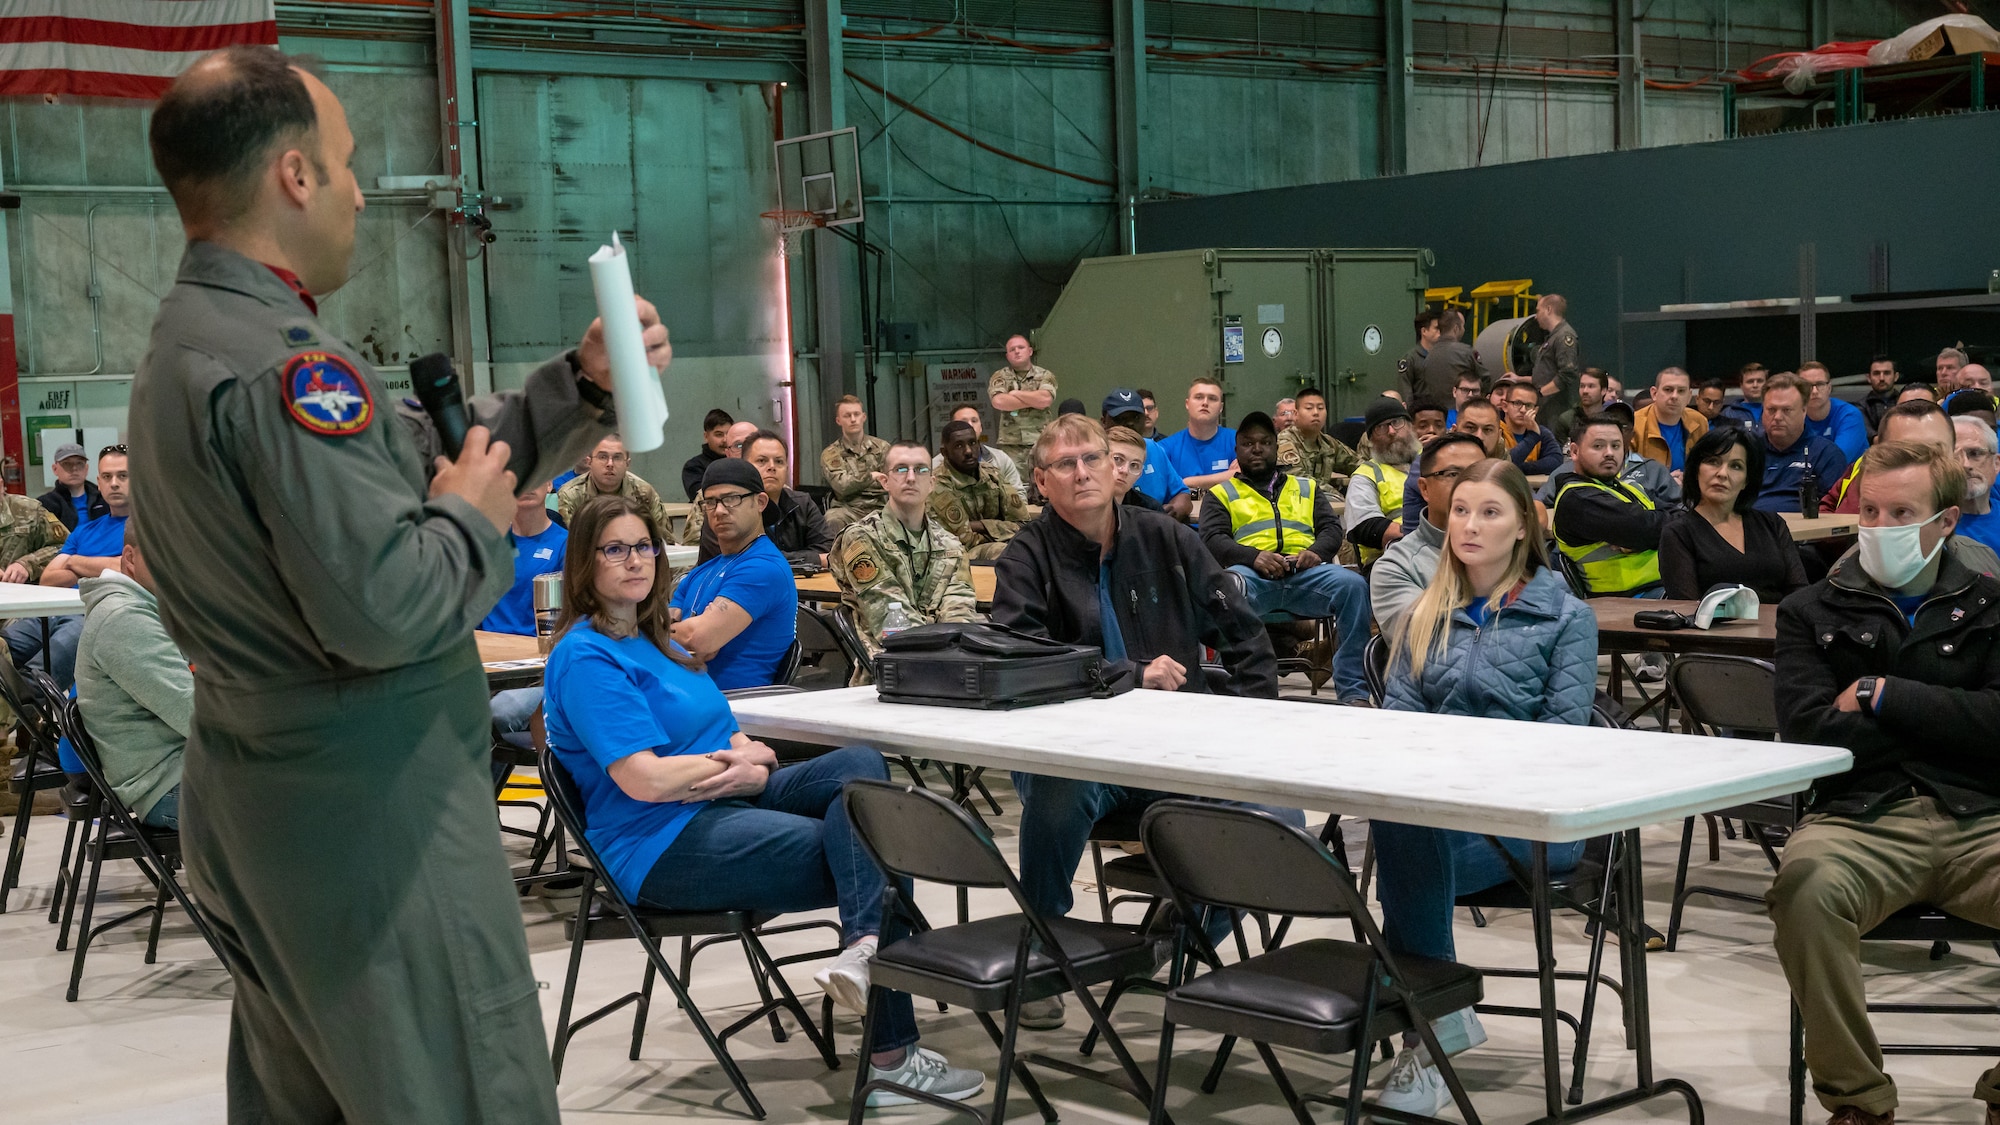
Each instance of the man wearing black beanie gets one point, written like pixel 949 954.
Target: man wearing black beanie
pixel 739 610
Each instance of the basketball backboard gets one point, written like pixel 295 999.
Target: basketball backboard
pixel 821 173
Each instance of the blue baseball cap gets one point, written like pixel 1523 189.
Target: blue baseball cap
pixel 1122 401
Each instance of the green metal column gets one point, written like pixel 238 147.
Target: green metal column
pixel 1631 76
pixel 1399 86
pixel 826 83
pixel 471 344
pixel 1128 104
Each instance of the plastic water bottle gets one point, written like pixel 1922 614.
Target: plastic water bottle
pixel 895 621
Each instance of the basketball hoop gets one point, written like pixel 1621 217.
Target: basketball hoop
pixel 792 226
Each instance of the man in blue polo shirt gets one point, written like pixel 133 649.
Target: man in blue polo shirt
pixel 1790 452
pixel 738 610
pixel 1204 454
pixel 539 542
pixel 1837 420
pixel 1157 479
pixel 90 550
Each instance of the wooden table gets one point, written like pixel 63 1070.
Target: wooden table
pixel 511 660
pixel 821 587
pixel 1545 783
pixel 1828 525
pixel 1617 634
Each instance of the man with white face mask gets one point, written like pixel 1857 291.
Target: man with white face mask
pixel 1895 656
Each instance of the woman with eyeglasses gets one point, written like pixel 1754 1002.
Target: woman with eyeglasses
pixel 738 611
pixel 1720 537
pixel 689 813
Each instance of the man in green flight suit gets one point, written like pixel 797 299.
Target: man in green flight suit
pixel 336 805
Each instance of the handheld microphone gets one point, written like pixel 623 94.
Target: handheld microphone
pixel 437 388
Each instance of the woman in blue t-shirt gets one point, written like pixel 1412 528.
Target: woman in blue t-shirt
pixel 686 811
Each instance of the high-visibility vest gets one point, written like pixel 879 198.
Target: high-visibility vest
pixel 1287 529
pixel 1608 569
pixel 1389 483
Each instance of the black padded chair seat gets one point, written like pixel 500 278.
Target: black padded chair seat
pixel 1135 874
pixel 120 844
pixel 972 964
pixel 1120 824
pixel 606 922
pixel 1309 995
pixel 1925 922
pixel 49 774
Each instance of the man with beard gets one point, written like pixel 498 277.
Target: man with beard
pixel 1374 517
pixel 1976 447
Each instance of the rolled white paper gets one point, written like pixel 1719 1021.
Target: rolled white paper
pixel 635 385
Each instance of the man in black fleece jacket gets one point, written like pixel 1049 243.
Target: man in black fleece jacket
pixel 1896 657
pixel 1137 584
pixel 1279 533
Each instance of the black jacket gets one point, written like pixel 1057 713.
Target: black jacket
pixel 1218 532
pixel 1170 595
pixel 1934 730
pixel 1590 515
pixel 795 525
pixel 693 468
pixel 57 501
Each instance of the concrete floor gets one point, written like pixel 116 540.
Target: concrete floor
pixel 149 1040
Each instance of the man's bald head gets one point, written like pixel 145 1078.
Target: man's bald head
pixel 220 123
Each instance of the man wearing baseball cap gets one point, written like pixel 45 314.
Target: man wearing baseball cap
pixel 1125 407
pixel 738 610
pixel 74 500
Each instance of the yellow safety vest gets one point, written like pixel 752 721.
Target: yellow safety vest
pixel 1389 483
pixel 1608 569
pixel 1287 530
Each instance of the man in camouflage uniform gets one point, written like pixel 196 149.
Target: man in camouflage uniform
pixel 971 500
pixel 1555 373
pixel 610 473
pixel 901 556
pixel 1306 450
pixel 852 466
pixel 1024 396
pixel 30 535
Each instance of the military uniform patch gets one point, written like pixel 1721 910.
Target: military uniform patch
pixel 865 570
pixel 299 336
pixel 326 395
pixel 1569 341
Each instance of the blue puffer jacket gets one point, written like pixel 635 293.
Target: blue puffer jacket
pixel 1535 660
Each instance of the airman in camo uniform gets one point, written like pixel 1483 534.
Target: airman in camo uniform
pixel 902 556
pixel 971 500
pixel 851 466
pixel 1024 397
pixel 29 537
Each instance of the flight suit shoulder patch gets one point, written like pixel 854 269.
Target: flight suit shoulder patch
pixel 325 395
pixel 864 569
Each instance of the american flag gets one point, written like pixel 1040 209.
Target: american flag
pixel 119 48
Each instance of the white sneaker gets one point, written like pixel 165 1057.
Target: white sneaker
pixel 924 1071
pixel 1458 1032
pixel 846 980
pixel 1414 1086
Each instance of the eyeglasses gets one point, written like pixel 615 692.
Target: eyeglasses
pixel 619 552
pixel 1067 466
pixel 117 450
pixel 1523 404
pixel 728 503
pixel 1975 455
pixel 909 470
pixel 611 458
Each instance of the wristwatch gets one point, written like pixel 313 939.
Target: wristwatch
pixel 1864 693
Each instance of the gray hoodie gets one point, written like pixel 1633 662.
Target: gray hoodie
pixel 134 689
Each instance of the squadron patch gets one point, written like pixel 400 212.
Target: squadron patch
pixel 326 395
pixel 865 570
pixel 1569 341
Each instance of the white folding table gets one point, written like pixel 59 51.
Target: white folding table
pixel 1547 784
pixel 21 600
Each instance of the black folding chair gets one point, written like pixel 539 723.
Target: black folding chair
pixel 1922 922
pixel 1375 667
pixel 1728 697
pixel 826 659
pixel 119 835
pixel 994 964
pixel 32 772
pixel 616 916
pixel 1322 995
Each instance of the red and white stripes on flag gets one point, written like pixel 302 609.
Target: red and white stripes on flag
pixel 119 48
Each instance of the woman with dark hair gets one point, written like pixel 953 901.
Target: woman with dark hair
pixel 1719 537
pixel 1496 635
pixel 689 813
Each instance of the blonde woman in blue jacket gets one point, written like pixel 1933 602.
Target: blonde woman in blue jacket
pixel 1496 635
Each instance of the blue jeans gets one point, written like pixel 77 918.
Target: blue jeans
pixel 788 849
pixel 1056 815
pixel 24 643
pixel 1420 872
pixel 1327 590
pixel 512 709
pixel 166 812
